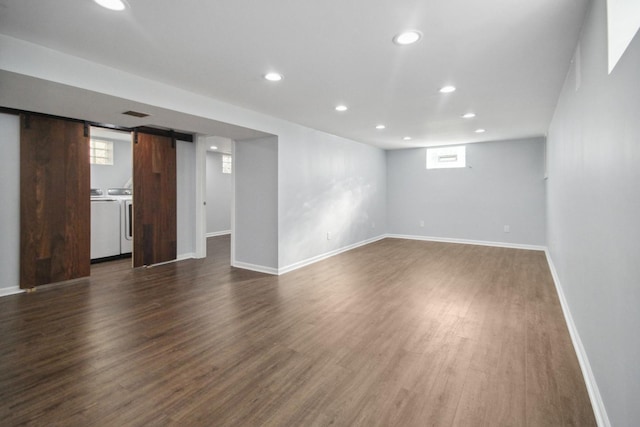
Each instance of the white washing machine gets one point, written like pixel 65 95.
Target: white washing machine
pixel 105 227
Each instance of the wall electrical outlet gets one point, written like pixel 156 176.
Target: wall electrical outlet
pixel 373 224
pixel 421 223
pixel 328 235
pixel 507 229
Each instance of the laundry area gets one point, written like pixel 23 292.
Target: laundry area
pixel 111 160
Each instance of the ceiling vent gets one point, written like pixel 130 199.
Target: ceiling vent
pixel 135 114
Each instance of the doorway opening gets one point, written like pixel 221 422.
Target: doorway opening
pixel 111 165
pixel 219 193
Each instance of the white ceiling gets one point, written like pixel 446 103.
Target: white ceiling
pixel 30 94
pixel 508 59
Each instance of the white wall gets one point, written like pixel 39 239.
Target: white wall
pixel 10 211
pixel 503 184
pixel 594 212
pixel 330 185
pixel 116 175
pixel 186 199
pixel 219 195
pixel 34 61
pixel 256 204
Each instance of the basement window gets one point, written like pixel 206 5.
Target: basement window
pixel 623 22
pixel 446 157
pixel 226 163
pixel 100 152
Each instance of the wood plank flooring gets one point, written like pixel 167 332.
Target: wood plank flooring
pixel 396 333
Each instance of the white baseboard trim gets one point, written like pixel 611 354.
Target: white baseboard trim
pixel 305 262
pixel 317 258
pixel 11 290
pixel 218 233
pixel 255 267
pixel 468 242
pixel 180 257
pixel 599 410
pixel 188 255
pixel 326 255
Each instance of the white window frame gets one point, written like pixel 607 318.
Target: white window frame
pixel 101 152
pixel 623 22
pixel 447 157
pixel 227 163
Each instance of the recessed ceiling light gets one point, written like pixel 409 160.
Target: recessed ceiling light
pixel 273 77
pixel 469 116
pixel 213 147
pixel 111 4
pixel 480 131
pixel 341 108
pixel 380 127
pixel 406 138
pixel 447 89
pixel 407 37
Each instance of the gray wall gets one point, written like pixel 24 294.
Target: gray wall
pixel 219 194
pixel 10 211
pixel 503 184
pixel 594 211
pixel 256 202
pixel 330 185
pixel 116 175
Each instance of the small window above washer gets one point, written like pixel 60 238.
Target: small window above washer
pixel 446 157
pixel 100 152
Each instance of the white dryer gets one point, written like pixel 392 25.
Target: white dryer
pixel 125 197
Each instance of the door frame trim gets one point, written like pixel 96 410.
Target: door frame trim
pixel 201 197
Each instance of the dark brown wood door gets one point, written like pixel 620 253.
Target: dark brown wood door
pixel 54 201
pixel 154 199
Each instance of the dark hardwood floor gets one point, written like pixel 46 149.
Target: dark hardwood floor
pixel 396 333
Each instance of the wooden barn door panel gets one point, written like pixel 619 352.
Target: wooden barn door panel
pixel 154 205
pixel 54 200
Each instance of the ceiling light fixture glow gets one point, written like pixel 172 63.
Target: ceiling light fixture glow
pixel 480 131
pixel 407 37
pixel 406 138
pixel 341 108
pixel 273 77
pixel 447 89
pixel 380 127
pixel 468 115
pixel 111 4
pixel 213 147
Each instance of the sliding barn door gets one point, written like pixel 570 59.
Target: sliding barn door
pixel 154 203
pixel 54 200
